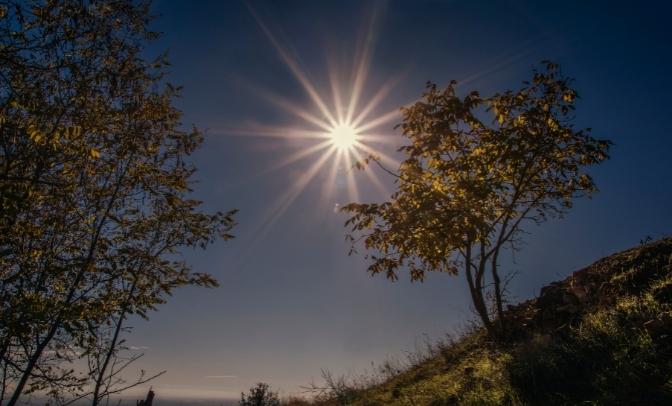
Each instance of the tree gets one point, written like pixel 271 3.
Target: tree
pixel 95 183
pixel 260 395
pixel 467 186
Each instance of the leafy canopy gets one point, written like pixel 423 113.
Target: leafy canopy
pixel 475 169
pixel 95 186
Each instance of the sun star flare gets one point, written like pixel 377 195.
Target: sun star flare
pixel 339 133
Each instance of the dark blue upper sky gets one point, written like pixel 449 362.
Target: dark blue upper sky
pixel 291 300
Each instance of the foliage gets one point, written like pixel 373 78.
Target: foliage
pixel 260 395
pixel 466 186
pixel 94 187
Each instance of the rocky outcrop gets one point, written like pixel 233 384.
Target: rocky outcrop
pixel 562 303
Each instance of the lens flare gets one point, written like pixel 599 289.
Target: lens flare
pixel 337 135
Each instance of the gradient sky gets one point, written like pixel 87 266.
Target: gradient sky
pixel 291 300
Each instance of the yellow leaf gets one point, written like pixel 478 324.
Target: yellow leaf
pixel 95 153
pixel 34 135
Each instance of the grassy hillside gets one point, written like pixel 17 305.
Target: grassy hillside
pixel 603 336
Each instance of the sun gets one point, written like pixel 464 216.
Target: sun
pixel 344 136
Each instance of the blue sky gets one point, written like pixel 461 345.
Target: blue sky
pixel 291 300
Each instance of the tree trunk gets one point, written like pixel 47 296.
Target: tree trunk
pixel 112 347
pixel 27 373
pixel 477 295
pixel 498 295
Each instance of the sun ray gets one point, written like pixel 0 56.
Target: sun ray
pixel 386 160
pixel 294 109
pixel 388 139
pixel 282 204
pixel 266 131
pixel 373 177
pixel 302 153
pixel 363 64
pixel 294 68
pixel 362 69
pixel 353 192
pixel 336 92
pixel 330 184
pixel 375 101
pixel 297 187
pixel 500 63
pixel 380 120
